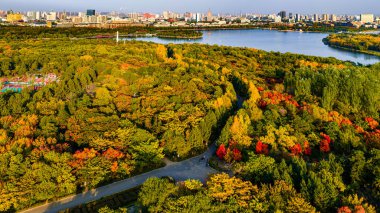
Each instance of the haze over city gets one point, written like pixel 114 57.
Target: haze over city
pixel 218 6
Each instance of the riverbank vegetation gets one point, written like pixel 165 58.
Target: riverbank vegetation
pixel 318 27
pixel 366 43
pixel 15 33
pixel 180 34
pixel 307 137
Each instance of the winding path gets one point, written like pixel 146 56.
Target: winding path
pixel 193 168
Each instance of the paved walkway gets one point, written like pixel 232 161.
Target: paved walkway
pixel 193 168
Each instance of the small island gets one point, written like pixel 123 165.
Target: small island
pixel 180 34
pixel 365 43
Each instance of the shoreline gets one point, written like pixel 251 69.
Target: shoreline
pixel 327 41
pixel 369 52
pixel 179 37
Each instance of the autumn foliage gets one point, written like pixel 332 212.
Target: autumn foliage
pixel 85 154
pixel 296 149
pixel 357 209
pixel 324 144
pixel 221 152
pixel 113 154
pixel 230 154
pixel 275 98
pixel 372 139
pixel 372 123
pixel 262 148
pixel 237 154
pixel 344 209
pixel 307 149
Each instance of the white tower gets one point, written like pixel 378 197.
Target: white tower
pixel 117 37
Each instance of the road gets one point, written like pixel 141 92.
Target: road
pixel 192 168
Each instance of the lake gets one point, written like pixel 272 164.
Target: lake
pixel 306 43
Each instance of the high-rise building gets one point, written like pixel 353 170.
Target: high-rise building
pixel 169 15
pixel 197 17
pixel 315 17
pixel 81 14
pixel 2 13
pixel 101 19
pixel 166 14
pixel 333 17
pixel 298 17
pixel 92 19
pixel 325 17
pixel 77 20
pixel 367 18
pixel 282 14
pixel 209 16
pixel 38 15
pixel 133 15
pixel 62 15
pixel 188 15
pixel 31 15
pixel 277 19
pixel 291 16
pixel 90 12
pixel 52 16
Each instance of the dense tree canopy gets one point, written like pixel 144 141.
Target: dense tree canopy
pixel 306 138
pixel 114 111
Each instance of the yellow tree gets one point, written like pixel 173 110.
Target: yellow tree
pixel 161 52
pixel 239 129
pixel 223 188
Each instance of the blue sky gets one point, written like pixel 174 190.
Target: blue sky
pixel 217 6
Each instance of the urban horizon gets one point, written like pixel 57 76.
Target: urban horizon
pixel 235 7
pixel 125 12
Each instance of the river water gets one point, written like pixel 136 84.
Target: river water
pixel 271 40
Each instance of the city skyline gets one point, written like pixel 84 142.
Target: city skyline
pixel 243 6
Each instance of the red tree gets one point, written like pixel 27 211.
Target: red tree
pixel 221 152
pixel 85 154
pixel 262 104
pixel 296 149
pixel 113 154
pixel 344 209
pixel 262 148
pixel 372 123
pixel 237 154
pixel 307 149
pixel 359 209
pixel 324 145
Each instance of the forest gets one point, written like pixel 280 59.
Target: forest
pixel 367 43
pixel 115 112
pixel 307 138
